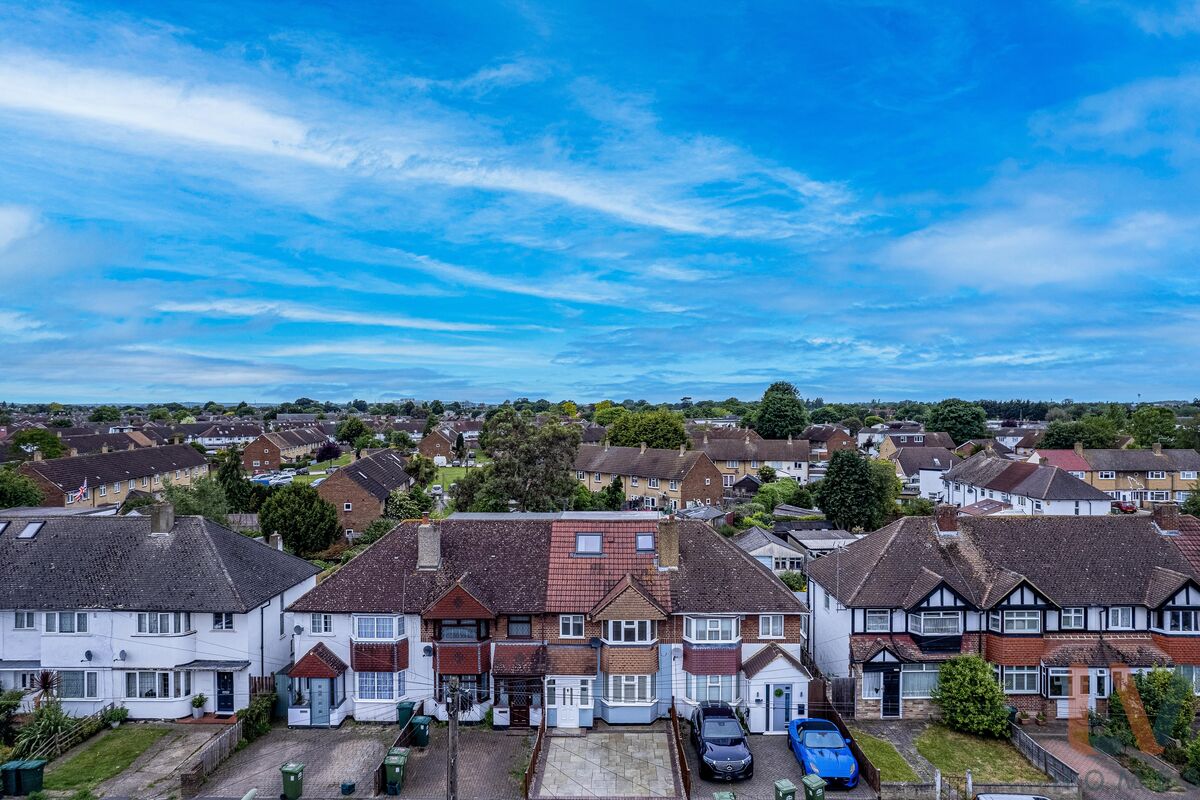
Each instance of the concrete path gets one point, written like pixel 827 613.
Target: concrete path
pixel 154 775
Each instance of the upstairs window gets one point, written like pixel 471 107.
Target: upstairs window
pixel 377 628
pixel 640 631
pixel 589 544
pixel 66 622
pixel 936 623
pixel 1120 618
pixel 462 630
pixel 570 626
pixel 1022 621
pixel 710 629
pixel 164 622
pixel 770 626
pixel 321 623
pixel 1156 475
pixel 520 627
pixel 878 620
pixel 1182 621
pixel 1107 475
pixel 1072 619
pixel 25 621
pixel 223 621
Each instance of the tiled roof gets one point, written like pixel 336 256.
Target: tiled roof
pixel 1125 460
pixel 652 463
pixel 748 449
pixel 1065 459
pixel 711 659
pixel 461 658
pixel 379 656
pixel 1022 478
pixel 578 583
pixel 572 660
pixel 379 473
pixel 972 446
pixel 765 656
pixel 1136 651
pixel 930 439
pixel 822 433
pixel 755 537
pixel 86 444
pixel 632 594
pixel 864 647
pixel 914 459
pixel 1081 560
pixel 519 658
pixel 297 437
pixel 119 465
pixel 319 662
pixel 115 562
pixel 716 575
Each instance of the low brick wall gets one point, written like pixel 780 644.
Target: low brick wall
pixel 907 791
pixel 1054 791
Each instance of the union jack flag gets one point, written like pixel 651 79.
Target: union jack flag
pixel 80 493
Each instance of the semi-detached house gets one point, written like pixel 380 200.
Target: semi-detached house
pixel 576 616
pixel 359 491
pixel 1019 487
pixel 1155 475
pixel 271 450
pixel 653 478
pixel 108 478
pixel 143 611
pixel 1061 606
pixel 737 458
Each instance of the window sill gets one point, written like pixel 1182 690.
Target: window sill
pixel 723 641
pixel 772 638
pixel 393 640
pixel 162 635
pixel 629 704
pixel 634 644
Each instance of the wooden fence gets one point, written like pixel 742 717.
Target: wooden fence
pixel 402 740
pixel 62 742
pixel 534 755
pixel 685 772
pixel 209 758
pixel 821 708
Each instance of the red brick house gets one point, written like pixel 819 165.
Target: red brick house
pixel 438 445
pixel 360 489
pixel 271 450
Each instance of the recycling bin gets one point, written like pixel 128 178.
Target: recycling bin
pixel 421 731
pixel 726 795
pixel 404 712
pixel 10 778
pixel 293 780
pixel 393 770
pixel 814 787
pixel 785 789
pixel 31 775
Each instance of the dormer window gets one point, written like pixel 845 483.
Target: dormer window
pixel 1022 621
pixel 589 544
pixel 878 620
pixel 1183 621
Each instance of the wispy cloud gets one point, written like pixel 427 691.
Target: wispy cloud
pixel 21 327
pixel 16 222
pixel 294 312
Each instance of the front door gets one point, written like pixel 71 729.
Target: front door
pixel 224 692
pixel 568 711
pixel 781 706
pixel 1096 686
pixel 319 691
pixel 890 708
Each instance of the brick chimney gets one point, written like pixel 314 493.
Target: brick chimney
pixel 1157 447
pixel 987 448
pixel 642 446
pixel 429 545
pixel 37 455
pixel 683 448
pixel 275 541
pixel 1079 449
pixel 945 519
pixel 747 440
pixel 1166 516
pixel 789 438
pixel 104 448
pixel 706 437
pixel 668 543
pixel 73 452
pixel 162 518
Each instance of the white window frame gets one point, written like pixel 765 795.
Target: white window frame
pixel 887 620
pixel 367 628
pixel 1120 611
pixel 567 624
pixel 872 685
pixel 921 617
pixel 673 485
pixel 652 483
pixel 1020 680
pixel 1187 474
pixel 24 621
pixel 347 506
pixel 374 687
pixel 1058 672
pixel 621 687
pixel 711 629
pixel 78 622
pixel 1156 475
pixel 1106 475
pixel 178 683
pixel 1017 621
pixel 724 688
pixel 1182 615
pixel 620 631
pixel 918 669
pixel 320 624
pixel 91 685
pixel 772 624
pixel 1073 612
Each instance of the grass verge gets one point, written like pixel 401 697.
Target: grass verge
pixel 886 758
pixel 990 760
pixel 103 758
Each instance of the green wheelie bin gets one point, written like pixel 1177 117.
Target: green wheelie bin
pixel 421 731
pixel 293 780
pixel 31 775
pixel 814 787
pixel 404 712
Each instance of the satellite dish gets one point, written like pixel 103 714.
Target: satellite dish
pixel 121 656
pixel 299 629
pixel 428 650
pixel 87 655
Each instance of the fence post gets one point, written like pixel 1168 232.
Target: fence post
pixel 970 785
pixel 937 784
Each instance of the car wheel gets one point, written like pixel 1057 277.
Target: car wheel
pixel 850 784
pixel 704 776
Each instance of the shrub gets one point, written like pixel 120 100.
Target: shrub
pixel 47 722
pixel 1191 772
pixel 970 698
pixel 256 717
pixel 793 580
pixel 115 714
pixel 1169 701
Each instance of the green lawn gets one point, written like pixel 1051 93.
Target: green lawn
pixel 104 757
pixel 891 765
pixel 323 468
pixel 990 760
pixel 449 475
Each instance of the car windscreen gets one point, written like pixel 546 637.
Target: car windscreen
pixel 722 729
pixel 823 739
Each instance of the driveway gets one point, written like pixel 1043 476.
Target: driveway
pixel 330 756
pixel 154 775
pixel 773 759
pixel 491 765
pixel 1100 777
pixel 611 764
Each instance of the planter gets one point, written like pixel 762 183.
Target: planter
pixel 116 723
pixel 1040 720
pixel 1024 720
pixel 197 713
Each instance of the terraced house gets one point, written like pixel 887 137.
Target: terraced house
pixel 575 616
pixel 108 478
pixel 653 478
pixel 271 450
pixel 1062 606
pixel 1156 475
pixel 736 458
pixel 987 483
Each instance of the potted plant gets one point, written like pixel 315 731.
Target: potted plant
pixel 1023 717
pixel 1041 718
pixel 116 715
pixel 198 706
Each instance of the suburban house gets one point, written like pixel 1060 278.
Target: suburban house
pixel 574 616
pixel 1011 437
pixel 1137 476
pixel 1025 488
pixel 143 611
pixel 825 440
pixel 972 446
pixel 921 469
pixel 270 451
pixel 89 443
pixel 438 445
pixel 871 437
pixel 1061 606
pixel 360 489
pixel 892 442
pixel 108 478
pixel 653 478
pixel 737 458
pixel 774 553
pixel 221 435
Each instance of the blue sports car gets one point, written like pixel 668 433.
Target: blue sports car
pixel 821 750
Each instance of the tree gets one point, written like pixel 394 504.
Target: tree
pixel 18 490
pixel 431 422
pixel 23 443
pixel 408 504
pixel 307 523
pixel 203 498
pixel 1094 433
pixel 460 446
pixel 970 698
pixel 1169 702
pixel 847 493
pixel 568 408
pixel 349 429
pixel 422 470
pixel 872 419
pixel 400 440
pixel 363 442
pixel 327 452
pixel 59 422
pixel 612 497
pixel 766 473
pixel 660 428
pixel 793 580
pixel 960 419
pixel 781 412
pixel 436 407
pixel 853 424
pixel 887 487
pixel 233 483
pixel 783 492
pixel 199 448
pixel 10 704
pixel 826 415
pixel 1192 504
pixel 105 414
pixel 1151 425
pixel 607 413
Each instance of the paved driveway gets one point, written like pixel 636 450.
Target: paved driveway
pixel 773 760
pixel 1100 777
pixel 609 764
pixel 491 765
pixel 331 756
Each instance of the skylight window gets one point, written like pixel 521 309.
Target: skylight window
pixel 31 530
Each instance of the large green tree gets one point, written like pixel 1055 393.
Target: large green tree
pixel 307 523
pixel 1152 425
pixel 1094 432
pixel 349 429
pixel 408 504
pixel 781 412
pixel 607 412
pixel 204 497
pixel 659 428
pixel 848 494
pixel 887 487
pixel 960 419
pixel 105 414
pixel 23 443
pixel 233 483
pixel 421 469
pixel 18 490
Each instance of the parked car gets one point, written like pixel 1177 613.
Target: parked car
pixel 1123 507
pixel 819 747
pixel 436 489
pixel 721 743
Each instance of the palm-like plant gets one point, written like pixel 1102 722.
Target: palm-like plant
pixel 45 686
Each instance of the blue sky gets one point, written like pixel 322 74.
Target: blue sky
pixel 584 200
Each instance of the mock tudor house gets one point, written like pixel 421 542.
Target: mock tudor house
pixel 1025 488
pixel 360 489
pixel 573 616
pixel 653 478
pixel 1060 606
pixel 108 478
pixel 1144 477
pixel 143 611
pixel 270 451
pixel 737 458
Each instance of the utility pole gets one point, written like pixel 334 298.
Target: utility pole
pixel 452 706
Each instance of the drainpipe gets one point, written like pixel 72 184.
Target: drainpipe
pixel 262 646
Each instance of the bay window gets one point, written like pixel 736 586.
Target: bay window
pixel 710 629
pixel 712 687
pixel 1058 682
pixel 631 631
pixel 1182 621
pixel 378 628
pixel 918 680
pixel 376 686
pixel 157 685
pixel 473 688
pixel 936 623
pixel 629 689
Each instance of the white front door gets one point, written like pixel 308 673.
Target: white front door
pixel 1097 688
pixel 568 711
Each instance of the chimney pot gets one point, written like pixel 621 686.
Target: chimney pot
pixel 945 517
pixel 276 541
pixel 162 518
pixel 789 438
pixel 429 545
pixel 683 448
pixel 1079 449
pixel 1166 516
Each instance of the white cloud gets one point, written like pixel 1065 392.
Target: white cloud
pixel 294 312
pixel 1164 19
pixel 16 326
pixel 16 222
